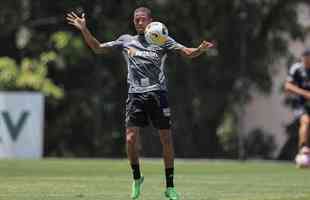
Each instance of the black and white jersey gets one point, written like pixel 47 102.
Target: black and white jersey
pixel 145 62
pixel 300 76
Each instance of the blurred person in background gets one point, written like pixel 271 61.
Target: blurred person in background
pixel 298 84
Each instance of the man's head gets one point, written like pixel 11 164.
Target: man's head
pixel 142 17
pixel 306 57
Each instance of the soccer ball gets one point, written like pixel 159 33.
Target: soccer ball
pixel 302 160
pixel 156 33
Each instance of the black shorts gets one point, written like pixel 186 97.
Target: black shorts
pixel 300 111
pixel 143 108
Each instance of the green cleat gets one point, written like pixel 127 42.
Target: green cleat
pixel 172 194
pixel 136 188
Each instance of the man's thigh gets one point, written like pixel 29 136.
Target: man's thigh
pixel 159 110
pixel 136 115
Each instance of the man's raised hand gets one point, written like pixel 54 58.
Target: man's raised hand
pixel 76 21
pixel 205 45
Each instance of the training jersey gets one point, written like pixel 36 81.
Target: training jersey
pixel 300 76
pixel 145 62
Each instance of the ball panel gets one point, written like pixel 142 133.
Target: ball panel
pixel 156 33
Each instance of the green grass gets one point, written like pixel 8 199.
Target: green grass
pixel 56 179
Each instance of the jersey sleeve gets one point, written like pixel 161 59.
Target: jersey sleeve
pixel 118 43
pixel 172 45
pixel 293 76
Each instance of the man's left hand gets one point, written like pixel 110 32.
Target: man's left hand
pixel 205 45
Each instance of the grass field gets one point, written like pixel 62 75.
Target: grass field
pixel 55 179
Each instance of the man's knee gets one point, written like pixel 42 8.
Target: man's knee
pixel 131 135
pixel 305 120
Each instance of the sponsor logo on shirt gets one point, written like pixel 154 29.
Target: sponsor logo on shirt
pixel 134 52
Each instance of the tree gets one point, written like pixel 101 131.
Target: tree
pixel 249 34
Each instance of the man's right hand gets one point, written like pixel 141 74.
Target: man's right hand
pixel 307 95
pixel 75 20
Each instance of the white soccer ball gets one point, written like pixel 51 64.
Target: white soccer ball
pixel 156 33
pixel 302 160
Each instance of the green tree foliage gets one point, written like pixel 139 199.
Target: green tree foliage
pixel 250 36
pixel 31 74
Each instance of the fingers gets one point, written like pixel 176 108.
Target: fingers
pixel 70 18
pixel 209 44
pixel 69 15
pixel 74 15
pixel 205 45
pixel 72 23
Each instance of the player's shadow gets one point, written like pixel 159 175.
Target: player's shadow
pixel 290 149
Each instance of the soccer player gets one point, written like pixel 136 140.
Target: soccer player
pixel 298 83
pixel 147 94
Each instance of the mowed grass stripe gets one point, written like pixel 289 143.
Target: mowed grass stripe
pixel 87 179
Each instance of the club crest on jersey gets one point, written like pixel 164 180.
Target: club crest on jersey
pixel 166 112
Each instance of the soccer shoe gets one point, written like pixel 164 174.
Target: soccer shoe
pixel 302 159
pixel 305 150
pixel 172 194
pixel 136 188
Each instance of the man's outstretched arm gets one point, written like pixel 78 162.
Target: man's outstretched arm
pixel 194 52
pixel 292 88
pixel 80 24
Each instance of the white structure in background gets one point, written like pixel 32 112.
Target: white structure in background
pixel 267 112
pixel 21 125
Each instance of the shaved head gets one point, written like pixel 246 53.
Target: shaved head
pixel 145 10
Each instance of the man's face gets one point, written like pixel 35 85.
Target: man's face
pixel 306 60
pixel 141 20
